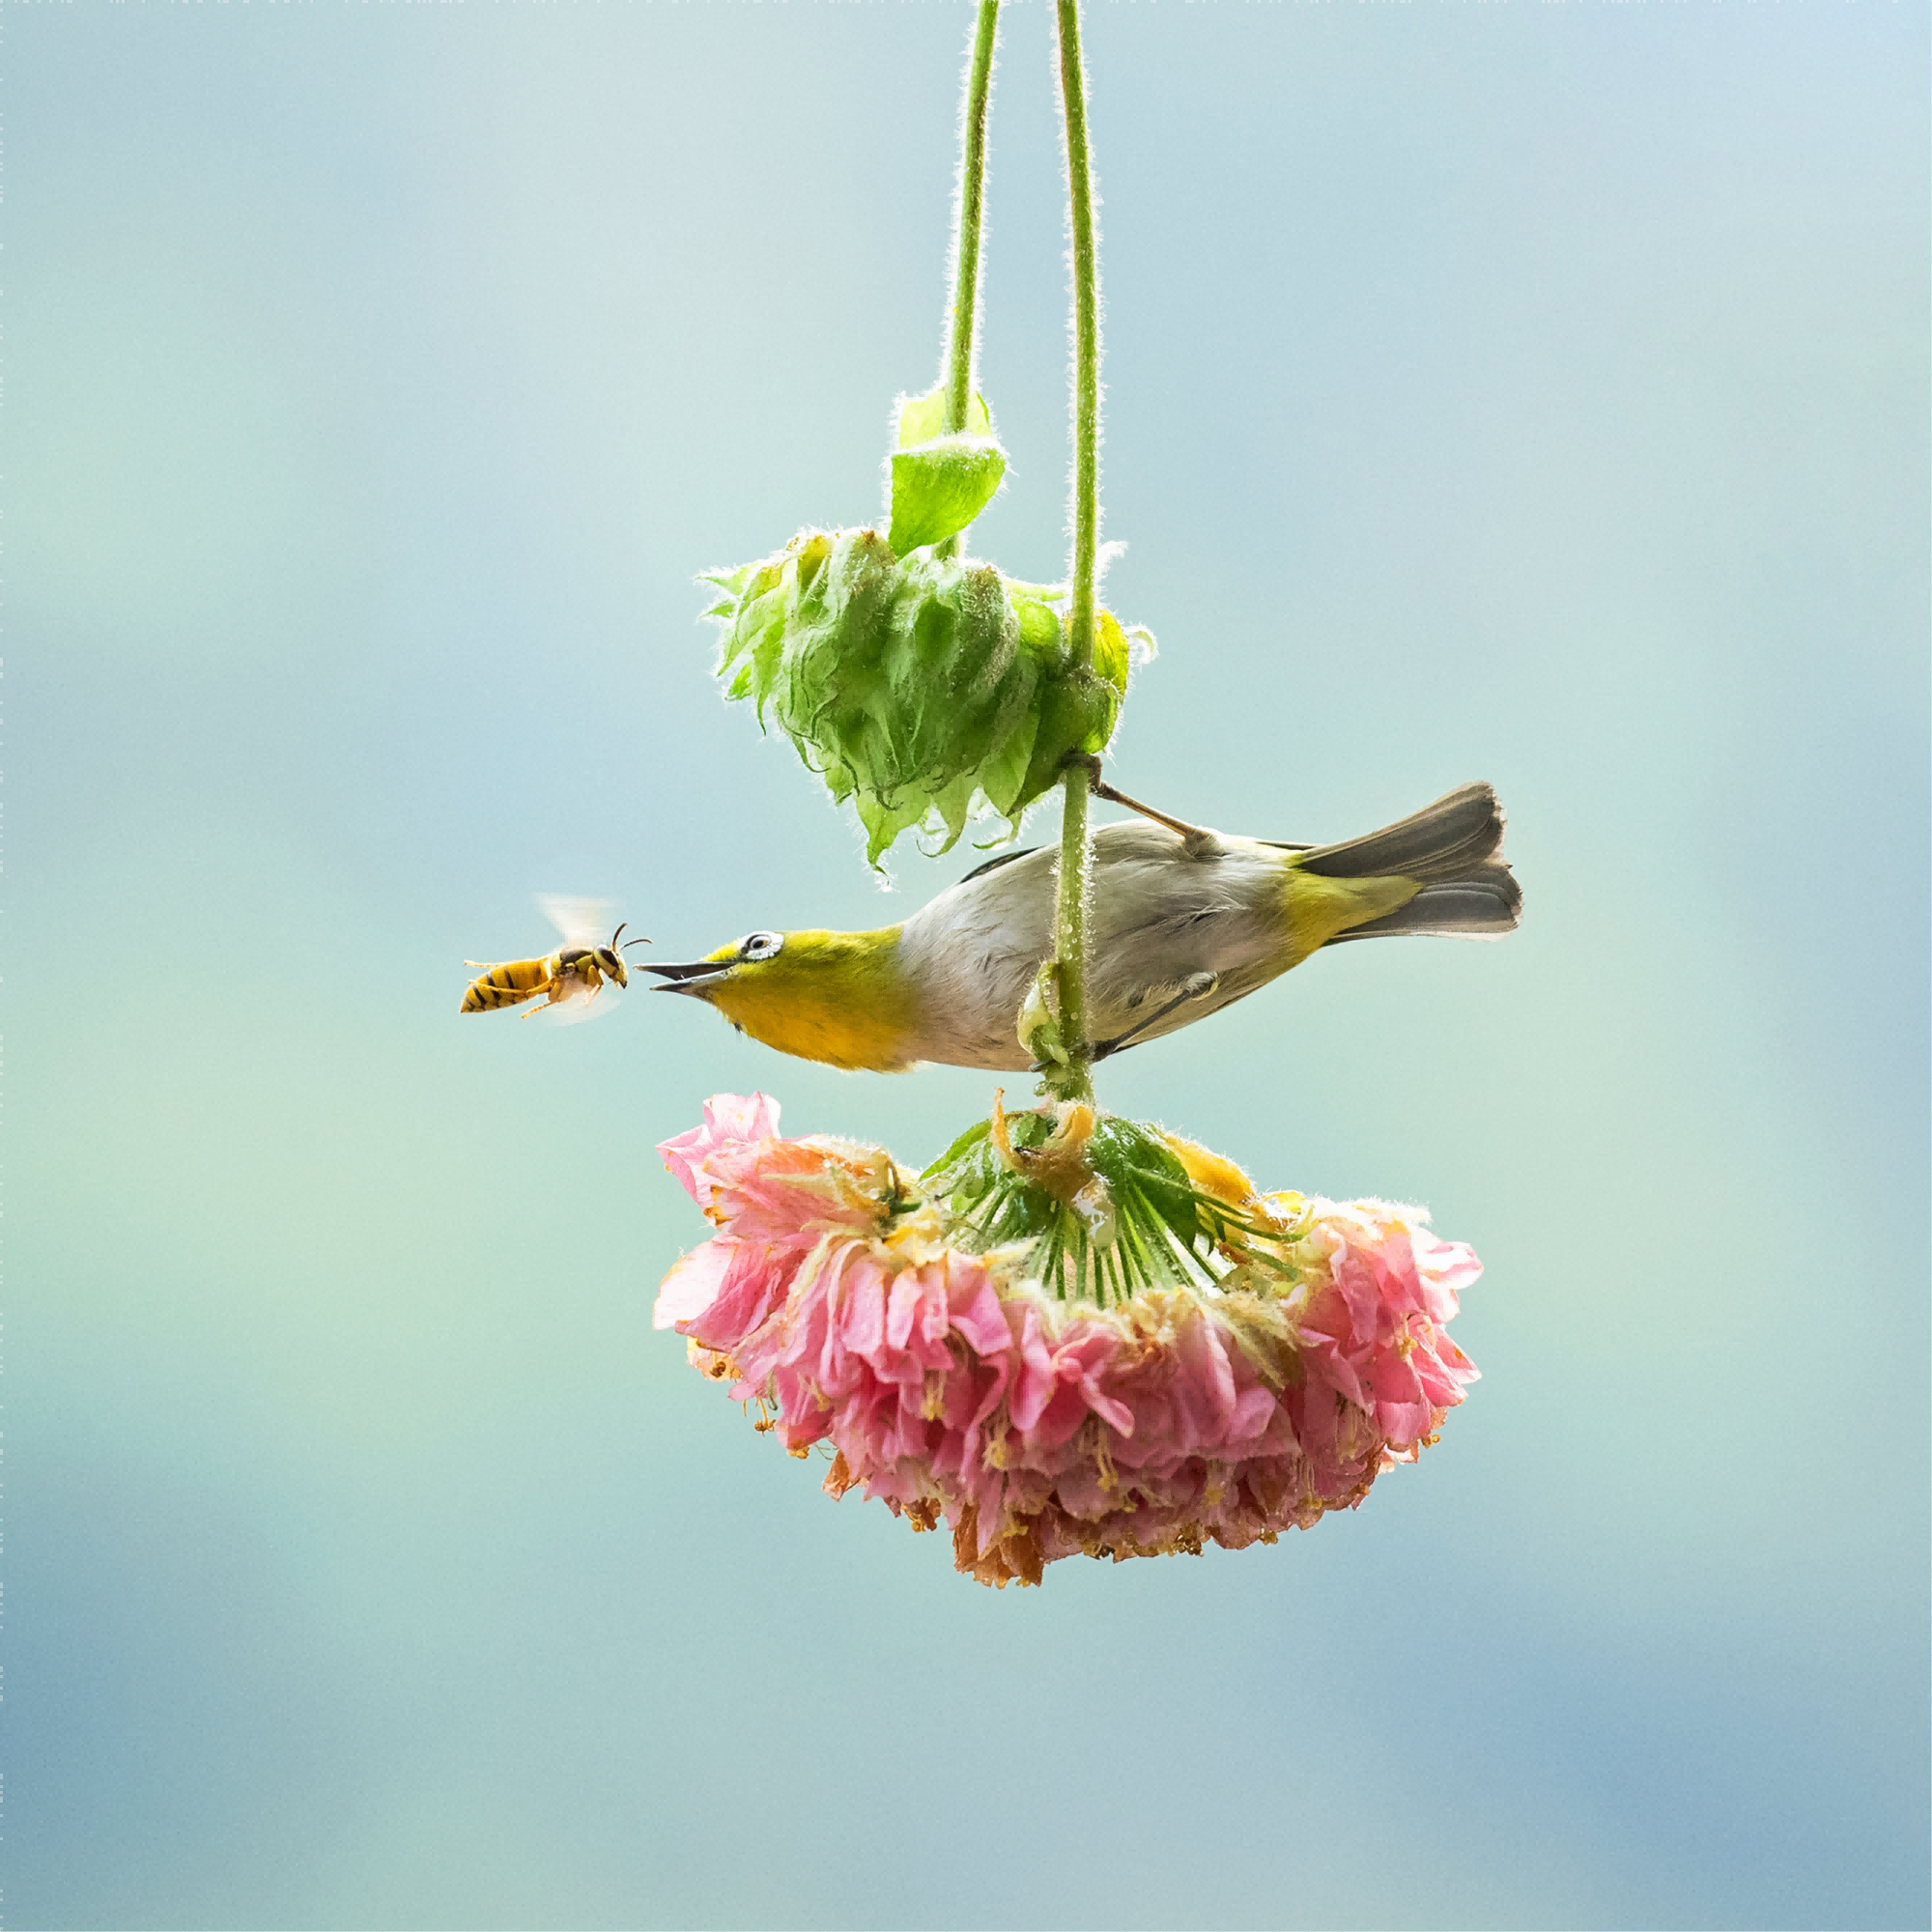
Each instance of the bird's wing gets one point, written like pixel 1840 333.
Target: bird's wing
pixel 994 864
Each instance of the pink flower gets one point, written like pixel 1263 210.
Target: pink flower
pixel 787 1192
pixel 1376 1332
pixel 730 1118
pixel 951 1384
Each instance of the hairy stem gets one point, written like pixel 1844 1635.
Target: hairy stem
pixel 1076 853
pixel 965 311
pixel 1085 334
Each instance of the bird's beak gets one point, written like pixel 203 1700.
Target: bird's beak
pixel 691 978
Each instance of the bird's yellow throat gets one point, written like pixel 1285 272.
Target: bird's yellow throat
pixel 840 997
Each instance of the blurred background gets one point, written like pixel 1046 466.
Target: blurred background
pixel 1529 393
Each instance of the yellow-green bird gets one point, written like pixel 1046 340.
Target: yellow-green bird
pixel 1184 921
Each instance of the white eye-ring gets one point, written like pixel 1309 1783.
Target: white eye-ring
pixel 761 946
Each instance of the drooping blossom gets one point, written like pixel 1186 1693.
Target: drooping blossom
pixel 953 1384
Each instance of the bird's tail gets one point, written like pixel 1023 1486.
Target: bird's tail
pixel 1455 848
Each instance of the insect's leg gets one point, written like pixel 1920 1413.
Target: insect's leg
pixel 1197 987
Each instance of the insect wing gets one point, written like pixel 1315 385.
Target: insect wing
pixel 574 1007
pixel 581 922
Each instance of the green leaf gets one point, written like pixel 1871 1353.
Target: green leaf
pixel 923 417
pixel 940 486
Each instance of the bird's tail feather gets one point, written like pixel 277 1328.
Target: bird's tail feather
pixel 1485 905
pixel 1461 830
pixel 1455 848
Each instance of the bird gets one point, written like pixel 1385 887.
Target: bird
pixel 1184 920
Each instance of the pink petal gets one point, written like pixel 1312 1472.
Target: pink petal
pixel 753 1287
pixel 728 1119
pixel 742 1117
pixel 692 1285
pixel 1254 1409
pixel 976 1310
pixel 861 1320
pixel 1116 1414
pixel 1035 1383
pixel 1204 1392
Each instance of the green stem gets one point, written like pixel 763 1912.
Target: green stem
pixel 1076 856
pixel 1086 335
pixel 965 308
pixel 1073 1082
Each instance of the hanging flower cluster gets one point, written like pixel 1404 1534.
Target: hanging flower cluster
pixel 950 1380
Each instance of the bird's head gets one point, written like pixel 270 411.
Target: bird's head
pixel 840 997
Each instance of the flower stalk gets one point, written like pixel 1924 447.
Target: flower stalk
pixel 1074 1081
pixel 965 311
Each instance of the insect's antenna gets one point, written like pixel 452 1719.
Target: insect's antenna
pixel 614 936
pixel 629 943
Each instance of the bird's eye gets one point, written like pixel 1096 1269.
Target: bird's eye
pixel 761 946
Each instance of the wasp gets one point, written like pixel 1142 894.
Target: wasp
pixel 573 974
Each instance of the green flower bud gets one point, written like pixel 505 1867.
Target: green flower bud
pixel 919 687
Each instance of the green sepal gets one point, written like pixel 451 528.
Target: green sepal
pixel 921 418
pixel 1039 1027
pixel 1167 1233
pixel 975 1136
pixel 940 486
pixel 731 582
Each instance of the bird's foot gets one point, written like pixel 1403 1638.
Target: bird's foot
pixel 1200 841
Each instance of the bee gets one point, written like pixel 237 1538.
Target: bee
pixel 573 974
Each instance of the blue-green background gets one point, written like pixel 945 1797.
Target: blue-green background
pixel 1527 392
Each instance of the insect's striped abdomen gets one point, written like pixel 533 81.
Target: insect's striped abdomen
pixel 507 985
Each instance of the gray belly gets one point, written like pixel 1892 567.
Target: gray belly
pixel 1159 917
